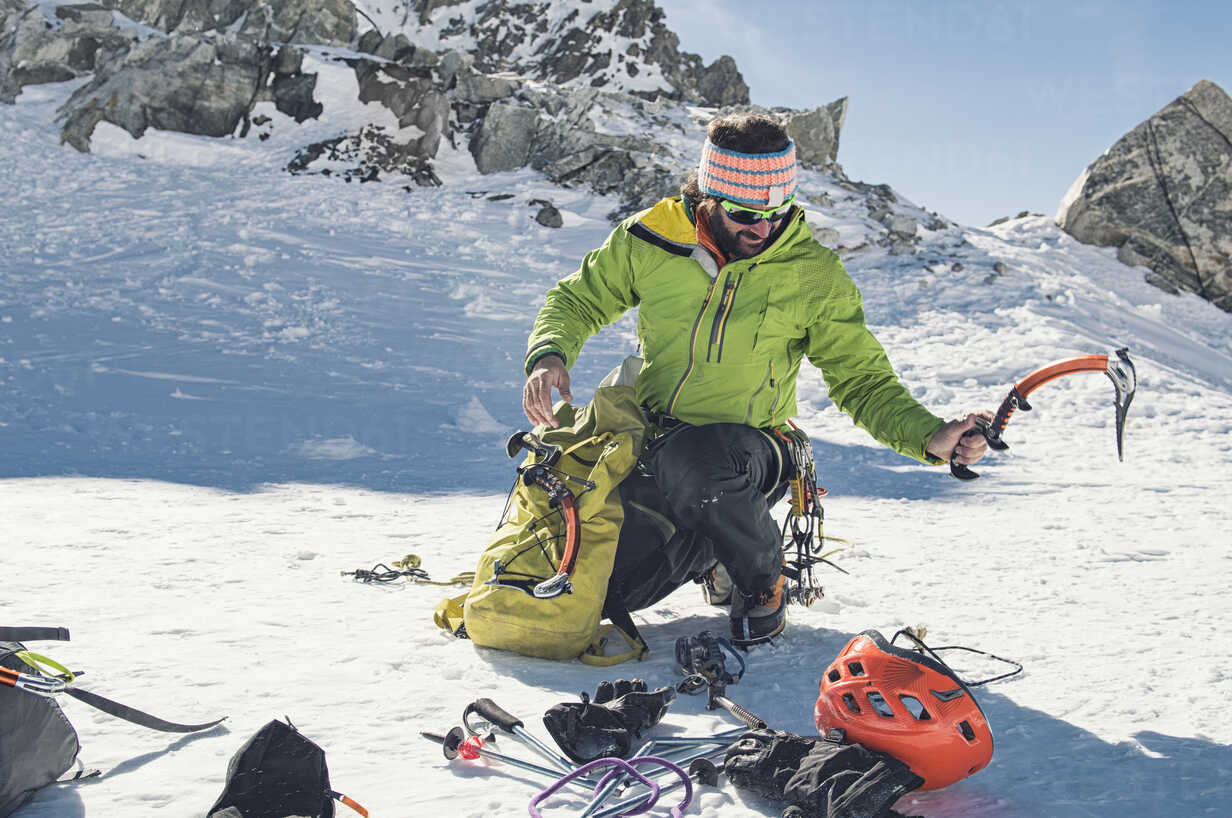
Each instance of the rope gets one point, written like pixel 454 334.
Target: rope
pixel 409 568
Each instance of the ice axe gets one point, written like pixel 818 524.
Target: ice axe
pixel 1118 368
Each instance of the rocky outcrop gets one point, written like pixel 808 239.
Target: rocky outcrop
pixel 615 45
pixel 197 85
pixel 1162 195
pixel 36 48
pixel 816 133
pixel 365 157
pixel 414 96
pixel 331 22
pixel 586 91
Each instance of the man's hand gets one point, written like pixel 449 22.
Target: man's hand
pixel 548 372
pixel 951 442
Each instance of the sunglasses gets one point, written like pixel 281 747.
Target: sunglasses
pixel 750 216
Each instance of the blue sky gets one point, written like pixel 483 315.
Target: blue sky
pixel 973 109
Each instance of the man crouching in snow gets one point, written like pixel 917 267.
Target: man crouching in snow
pixel 734 292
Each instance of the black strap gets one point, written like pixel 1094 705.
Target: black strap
pixel 123 711
pixel 33 634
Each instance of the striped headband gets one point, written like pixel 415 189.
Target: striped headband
pixel 758 179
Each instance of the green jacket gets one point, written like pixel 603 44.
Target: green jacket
pixel 726 345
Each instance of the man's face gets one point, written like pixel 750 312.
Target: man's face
pixel 741 240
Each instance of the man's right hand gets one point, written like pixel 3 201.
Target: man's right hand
pixel 548 372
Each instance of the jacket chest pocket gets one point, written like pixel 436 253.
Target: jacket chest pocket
pixel 777 327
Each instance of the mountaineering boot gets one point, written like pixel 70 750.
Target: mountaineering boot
pixel 756 618
pixel 717 585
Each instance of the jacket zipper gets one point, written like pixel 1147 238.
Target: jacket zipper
pixel 720 317
pixel 671 403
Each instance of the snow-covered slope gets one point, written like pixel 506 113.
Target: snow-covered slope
pixel 222 385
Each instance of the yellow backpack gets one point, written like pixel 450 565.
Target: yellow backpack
pixel 600 444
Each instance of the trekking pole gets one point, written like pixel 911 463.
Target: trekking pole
pixel 456 743
pixel 497 716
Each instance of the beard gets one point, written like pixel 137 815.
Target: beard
pixel 737 243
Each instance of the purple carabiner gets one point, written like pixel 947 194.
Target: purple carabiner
pixel 594 765
pixel 677 810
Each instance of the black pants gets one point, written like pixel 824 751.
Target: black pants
pixel 708 501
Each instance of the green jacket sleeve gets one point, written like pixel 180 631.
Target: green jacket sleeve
pixel 863 384
pixel 598 293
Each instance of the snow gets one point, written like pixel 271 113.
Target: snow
pixel 222 386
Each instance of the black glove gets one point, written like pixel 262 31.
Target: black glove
pixel 819 779
pixel 607 724
pixel 763 761
pixel 848 781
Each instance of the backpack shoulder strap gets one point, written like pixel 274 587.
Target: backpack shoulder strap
pixel 33 634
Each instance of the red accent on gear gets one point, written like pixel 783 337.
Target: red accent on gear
pixel 469 749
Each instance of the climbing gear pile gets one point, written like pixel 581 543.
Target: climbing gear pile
pixel 635 778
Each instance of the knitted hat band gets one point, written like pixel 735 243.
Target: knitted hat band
pixel 759 179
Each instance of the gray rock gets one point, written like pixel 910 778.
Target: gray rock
pixel 413 95
pixel 827 236
pixel 366 156
pixel 194 85
pixel 1000 268
pixel 548 215
pixel 331 22
pixel 450 63
pixel 1163 195
pixel 35 49
pixel 504 139
pixel 901 225
pixel 481 89
pixel 86 14
pixel 816 133
pixel 720 84
pixel 293 96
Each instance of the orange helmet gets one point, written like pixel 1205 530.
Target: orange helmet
pixel 902 702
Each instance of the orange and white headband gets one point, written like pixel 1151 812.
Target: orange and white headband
pixel 756 179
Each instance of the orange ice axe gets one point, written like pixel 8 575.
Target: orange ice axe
pixel 1119 369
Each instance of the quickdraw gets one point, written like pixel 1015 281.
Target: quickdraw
pixel 1119 369
pixel 560 498
pixel 803 527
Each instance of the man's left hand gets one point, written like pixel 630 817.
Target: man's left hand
pixel 951 442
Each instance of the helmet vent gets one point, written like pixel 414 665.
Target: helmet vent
pixel 856 668
pixel 947 695
pixel 967 732
pixel 880 706
pixel 851 703
pixel 834 675
pixel 915 707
